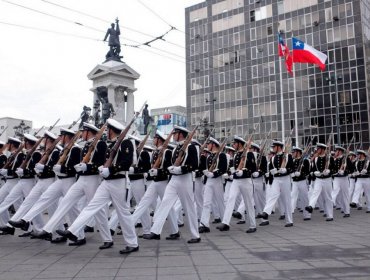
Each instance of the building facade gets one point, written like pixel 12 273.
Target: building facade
pixel 165 118
pixel 12 127
pixel 233 70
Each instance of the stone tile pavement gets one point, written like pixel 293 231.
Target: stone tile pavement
pixel 310 250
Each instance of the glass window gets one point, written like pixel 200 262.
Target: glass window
pixel 206 81
pixel 269 30
pixel 254 71
pixel 351 52
pixel 205 46
pixel 252 16
pixel 237 75
pixel 280 6
pixel 288 24
pixel 272 68
pixel 308 21
pixel 206 63
pixel 221 77
pixel 350 31
pixel 329 35
pixel 255 88
pixel 328 15
pixel 253 52
pixel 349 10
pixel 238 93
pixel 253 34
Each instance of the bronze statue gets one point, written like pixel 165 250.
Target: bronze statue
pixel 85 116
pixel 146 118
pixel 114 43
pixel 107 109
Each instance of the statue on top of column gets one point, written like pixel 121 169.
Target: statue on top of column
pixel 114 43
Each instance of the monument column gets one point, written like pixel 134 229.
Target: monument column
pixel 130 104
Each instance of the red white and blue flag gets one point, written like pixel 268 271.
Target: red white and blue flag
pixel 283 51
pixel 304 53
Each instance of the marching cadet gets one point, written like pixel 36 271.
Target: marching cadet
pixel 158 179
pixel 3 159
pixel 213 190
pixel 111 189
pixel 257 179
pixel 66 177
pixel 362 173
pixel 86 186
pixel 323 181
pixel 46 177
pixel 179 186
pixel 24 185
pixel 268 181
pixel 242 183
pixel 280 167
pixel 341 182
pixel 197 177
pixel 227 176
pixel 300 171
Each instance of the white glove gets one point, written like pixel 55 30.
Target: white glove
pixel 282 171
pixel 209 174
pixel 153 172
pixel 104 172
pixel 20 172
pixel 255 174
pixel 267 174
pixel 225 176
pixel 297 173
pixel 326 172
pixel 341 172
pixel 317 173
pixel 356 173
pixel 145 175
pixel 363 172
pixel 239 173
pixel 131 170
pixel 232 170
pixel 57 168
pixel 231 177
pixel 81 167
pixel 273 171
pixel 292 175
pixel 39 167
pixel 175 170
pixel 4 172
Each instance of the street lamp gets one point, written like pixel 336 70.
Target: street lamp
pixel 334 80
pixel 213 100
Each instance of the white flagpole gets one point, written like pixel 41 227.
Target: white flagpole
pixel 282 102
pixel 295 101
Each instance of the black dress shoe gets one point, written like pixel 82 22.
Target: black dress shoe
pixel 359 208
pixel 68 234
pixel 204 229
pixel 346 216
pixel 7 230
pixel 329 219
pixel 289 225
pixel 194 240
pixel 237 215
pixel 22 224
pixel 306 219
pixel 112 232
pixel 181 225
pixel 45 235
pixel 300 211
pixel 216 221
pixel 106 245
pixel 322 211
pixel 79 242
pixel 223 227
pixel 119 232
pixel 58 240
pixel 88 229
pixel 129 250
pixel 259 216
pixel 66 226
pixel 251 230
pixel 151 236
pixel 138 225
pixel 353 205
pixel 325 215
pixel 240 222
pixel 151 213
pixel 309 209
pixel 264 215
pixel 264 223
pixel 173 236
pixel 144 236
pixel 282 217
pixel 368 211
pixel 26 234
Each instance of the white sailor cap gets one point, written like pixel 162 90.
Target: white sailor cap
pixel 206 150
pixel 14 139
pixel 277 143
pixel 296 149
pixel 177 128
pixel 213 140
pixel 137 139
pixel 159 134
pixel 229 148
pixel 340 148
pixel 2 143
pixel 64 131
pixel 89 126
pixel 115 125
pixel 30 137
pixel 50 135
pixel 256 146
pixel 239 139
pixel 195 141
pixel 361 152
pixel 351 153
pixel 148 148
pixel 321 145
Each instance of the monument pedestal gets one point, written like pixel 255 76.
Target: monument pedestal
pixel 114 81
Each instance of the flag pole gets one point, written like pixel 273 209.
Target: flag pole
pixel 282 101
pixel 295 100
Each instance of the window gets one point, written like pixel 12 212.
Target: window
pixel 221 77
pixel 253 52
pixel 206 63
pixel 349 11
pixel 329 35
pixel 192 49
pixel 351 52
pixel 345 98
pixel 280 6
pixel 253 34
pixel 237 75
pixel 263 12
pixel 252 16
pixel 328 15
pixel 238 93
pixel 255 88
pixel 269 30
pixel 192 66
pixel 350 31
pixel 254 71
pixel 272 68
pixel 206 81
pixel 205 46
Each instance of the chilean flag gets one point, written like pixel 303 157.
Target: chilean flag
pixel 304 53
pixel 283 50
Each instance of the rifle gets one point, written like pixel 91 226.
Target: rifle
pixel 66 150
pixel 120 138
pixel 98 136
pixel 262 153
pixel 304 154
pixel 182 151
pixel 30 152
pixel 286 148
pixel 38 131
pixel 52 126
pixel 12 158
pixel 2 132
pixel 158 161
pixel 142 143
pixel 245 150
pixel 201 150
pixel 344 163
pixel 220 150
pixel 74 122
pixel 327 152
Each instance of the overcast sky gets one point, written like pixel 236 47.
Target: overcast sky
pixel 43 75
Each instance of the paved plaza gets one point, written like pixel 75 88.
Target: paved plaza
pixel 310 250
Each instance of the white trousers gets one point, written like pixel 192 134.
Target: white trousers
pixel 280 187
pixel 199 196
pixel 138 191
pixel 21 189
pixel 109 190
pixel 154 190
pixel 259 194
pixel 213 193
pixel 301 188
pixel 245 188
pixel 180 186
pixel 362 185
pixel 352 182
pixel 341 189
pixel 323 187
pixel 85 186
pixel 4 192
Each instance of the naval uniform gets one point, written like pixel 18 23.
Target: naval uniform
pixel 3 160
pixel 300 171
pixel 340 191
pixel 199 186
pixel 351 168
pixel 362 174
pixel 258 184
